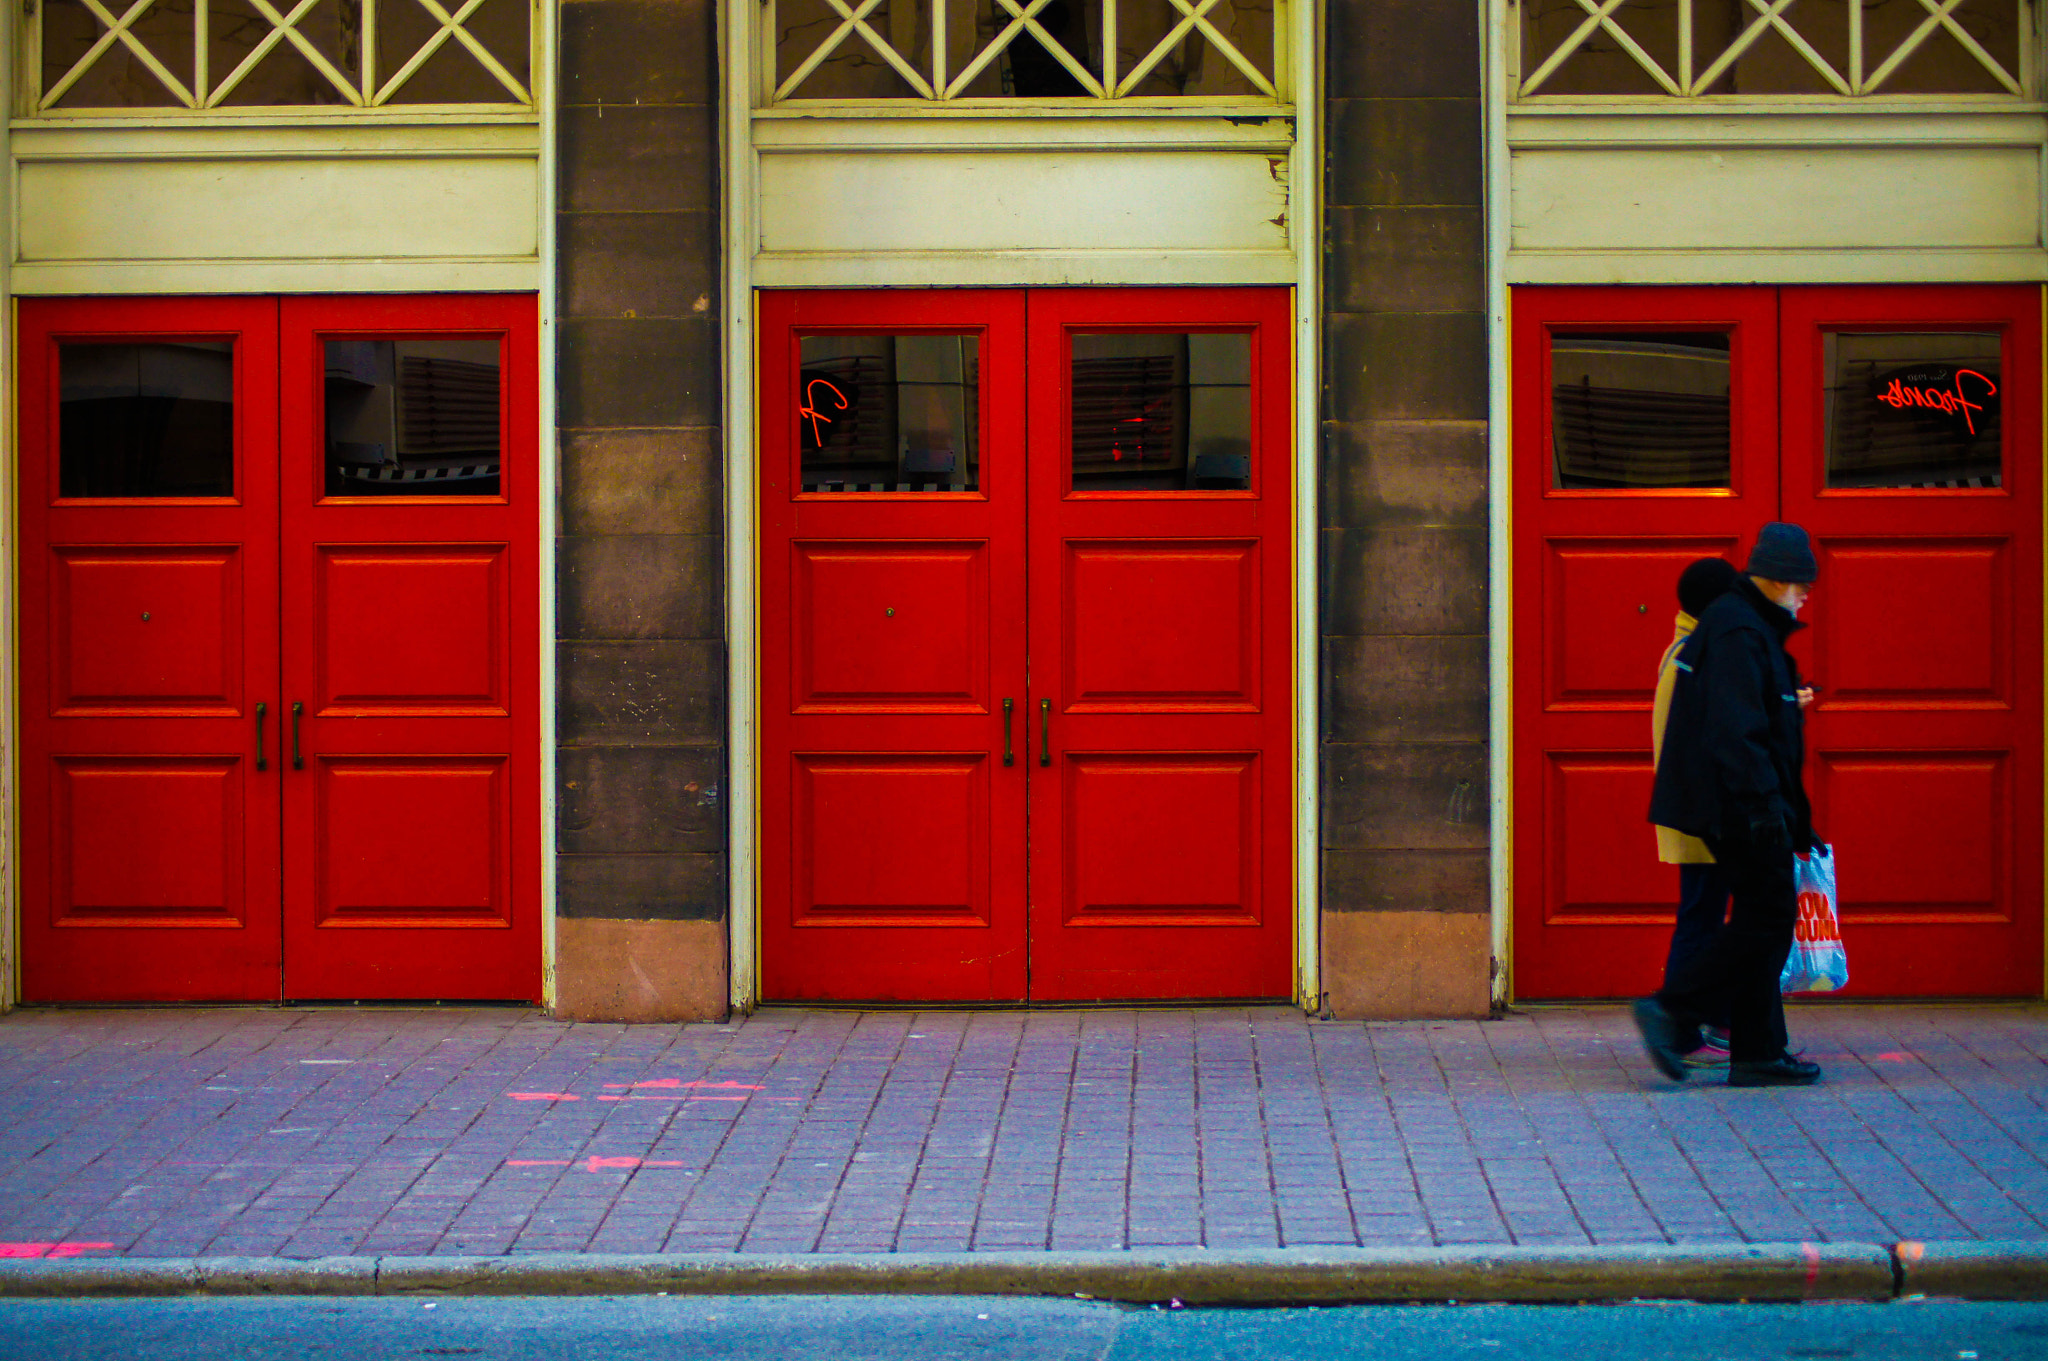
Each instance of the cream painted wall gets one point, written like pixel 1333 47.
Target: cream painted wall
pixel 1817 194
pixel 241 207
pixel 942 199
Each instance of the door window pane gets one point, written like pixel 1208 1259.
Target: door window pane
pixel 889 413
pixel 146 420
pixel 1913 409
pixel 1639 409
pixel 412 417
pixel 1162 412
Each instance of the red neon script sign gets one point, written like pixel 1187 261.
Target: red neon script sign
pixel 1949 400
pixel 807 408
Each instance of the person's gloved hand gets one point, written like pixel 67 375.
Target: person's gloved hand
pixel 1770 827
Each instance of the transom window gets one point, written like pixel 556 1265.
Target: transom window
pixel 1774 47
pixel 212 54
pixel 1021 49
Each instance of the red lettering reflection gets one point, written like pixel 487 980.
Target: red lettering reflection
pixel 1949 400
pixel 807 409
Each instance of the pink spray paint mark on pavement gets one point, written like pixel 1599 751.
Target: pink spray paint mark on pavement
pixel 50 1250
pixel 596 1162
pixel 679 1083
pixel 544 1096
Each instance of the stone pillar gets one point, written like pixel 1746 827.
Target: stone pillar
pixel 640 929
pixel 1404 532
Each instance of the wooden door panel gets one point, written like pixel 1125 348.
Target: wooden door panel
pixel 447 602
pixel 411 596
pixel 1161 661
pixel 146 629
pixel 412 841
pixel 1597 873
pixel 149 842
pixel 1928 833
pixel 1162 840
pixel 889 627
pixel 148 588
pixel 1606 607
pixel 1163 624
pixel 1958 594
pixel 895 840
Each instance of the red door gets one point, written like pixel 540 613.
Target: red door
pixel 148 531
pixel 1645 428
pixel 1924 750
pixel 285 743
pixel 892 646
pixel 1912 452
pixel 1026 696
pixel 1162 798
pixel 410 692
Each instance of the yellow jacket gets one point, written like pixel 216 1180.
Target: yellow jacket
pixel 1673 846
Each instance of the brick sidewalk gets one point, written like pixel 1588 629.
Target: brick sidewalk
pixel 369 1131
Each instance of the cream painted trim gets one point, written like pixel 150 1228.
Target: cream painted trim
pixel 279 276
pixel 1948 128
pixel 740 188
pixel 1110 128
pixel 545 66
pixel 325 116
pixel 1500 644
pixel 43 139
pixel 1305 204
pixel 1023 268
pixel 1819 265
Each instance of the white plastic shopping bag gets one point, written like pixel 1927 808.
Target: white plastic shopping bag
pixel 1817 962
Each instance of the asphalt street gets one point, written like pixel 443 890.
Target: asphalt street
pixel 899 1328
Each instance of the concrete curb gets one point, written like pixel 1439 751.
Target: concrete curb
pixel 1302 1276
pixel 1976 1271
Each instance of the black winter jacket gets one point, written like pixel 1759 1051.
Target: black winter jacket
pixel 1734 743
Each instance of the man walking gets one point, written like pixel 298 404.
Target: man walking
pixel 1729 773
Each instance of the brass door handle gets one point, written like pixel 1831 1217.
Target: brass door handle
pixel 1009 757
pixel 298 761
pixel 1045 732
pixel 261 764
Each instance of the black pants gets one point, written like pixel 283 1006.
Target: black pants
pixel 1702 911
pixel 1739 967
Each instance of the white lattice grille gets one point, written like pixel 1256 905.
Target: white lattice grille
pixel 207 54
pixel 955 49
pixel 1775 47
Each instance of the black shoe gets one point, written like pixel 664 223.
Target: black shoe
pixel 1664 1037
pixel 1783 1071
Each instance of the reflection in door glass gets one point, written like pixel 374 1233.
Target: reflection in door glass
pixel 146 420
pixel 882 413
pixel 1639 409
pixel 1162 412
pixel 412 417
pixel 1913 409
